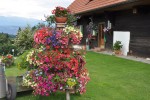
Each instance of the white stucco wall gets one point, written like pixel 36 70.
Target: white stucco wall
pixel 124 37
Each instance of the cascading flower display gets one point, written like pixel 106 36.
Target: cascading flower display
pixel 54 64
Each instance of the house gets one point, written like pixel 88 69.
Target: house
pixel 104 21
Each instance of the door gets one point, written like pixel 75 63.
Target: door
pixel 101 40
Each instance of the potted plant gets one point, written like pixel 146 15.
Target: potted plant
pixel 117 47
pixel 61 14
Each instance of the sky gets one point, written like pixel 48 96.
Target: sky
pixel 30 8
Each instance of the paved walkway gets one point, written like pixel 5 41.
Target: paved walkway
pixel 144 60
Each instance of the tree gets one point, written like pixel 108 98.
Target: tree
pixel 24 39
pixel 6 44
pixel 4 38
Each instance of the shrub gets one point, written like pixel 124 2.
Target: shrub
pixel 23 64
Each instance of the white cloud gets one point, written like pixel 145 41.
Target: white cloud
pixel 30 8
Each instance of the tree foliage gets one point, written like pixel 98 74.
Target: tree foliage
pixel 24 39
pixel 6 44
pixel 4 38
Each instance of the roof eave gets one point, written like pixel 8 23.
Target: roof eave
pixel 109 6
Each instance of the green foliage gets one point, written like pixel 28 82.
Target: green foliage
pixel 39 25
pixel 71 19
pixel 7 44
pixel 22 63
pixel 24 39
pixel 4 38
pixel 7 49
pixel 117 45
pixel 13 70
pixel 50 20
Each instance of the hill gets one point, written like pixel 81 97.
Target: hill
pixel 10 25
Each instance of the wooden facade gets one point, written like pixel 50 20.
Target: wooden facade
pixel 139 26
pixel 135 20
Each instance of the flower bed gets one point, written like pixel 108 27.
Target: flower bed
pixel 54 64
pixel 8 60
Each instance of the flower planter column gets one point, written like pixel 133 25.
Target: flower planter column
pixel 60 26
pixel 55 65
pixel 67 94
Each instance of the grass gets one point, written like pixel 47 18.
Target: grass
pixel 14 70
pixel 112 78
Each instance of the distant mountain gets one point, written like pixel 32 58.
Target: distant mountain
pixel 10 25
pixel 9 29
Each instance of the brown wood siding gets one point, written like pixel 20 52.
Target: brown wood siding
pixel 84 21
pixel 139 27
pixel 96 20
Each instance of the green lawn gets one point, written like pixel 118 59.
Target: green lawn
pixel 112 78
pixel 13 70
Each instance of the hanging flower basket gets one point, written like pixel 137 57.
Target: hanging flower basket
pixel 60 19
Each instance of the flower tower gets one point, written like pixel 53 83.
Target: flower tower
pixel 54 64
